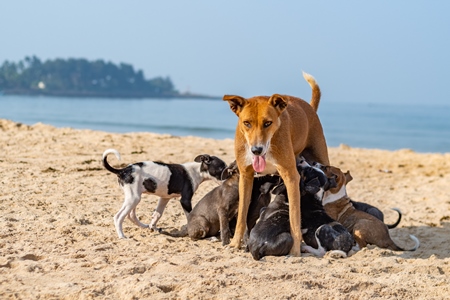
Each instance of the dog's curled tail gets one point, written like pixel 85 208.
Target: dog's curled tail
pixel 315 98
pixel 390 226
pixel 105 162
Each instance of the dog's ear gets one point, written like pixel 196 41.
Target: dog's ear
pixel 348 177
pixel 278 101
pixel 237 103
pixel 203 158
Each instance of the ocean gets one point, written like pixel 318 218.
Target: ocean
pixel 421 128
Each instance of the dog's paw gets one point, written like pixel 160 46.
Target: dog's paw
pixel 295 251
pixel 235 243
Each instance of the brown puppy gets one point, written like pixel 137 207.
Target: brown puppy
pixel 270 134
pixel 366 229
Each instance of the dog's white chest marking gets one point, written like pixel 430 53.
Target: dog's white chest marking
pixel 329 197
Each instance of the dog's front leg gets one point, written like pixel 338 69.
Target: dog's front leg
pixel 291 179
pixel 245 193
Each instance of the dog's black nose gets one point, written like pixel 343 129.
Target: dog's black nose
pixel 257 150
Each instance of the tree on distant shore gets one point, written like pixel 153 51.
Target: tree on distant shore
pixel 80 77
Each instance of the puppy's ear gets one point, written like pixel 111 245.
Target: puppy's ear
pixel 348 177
pixel 236 103
pixel 278 101
pixel 226 173
pixel 203 158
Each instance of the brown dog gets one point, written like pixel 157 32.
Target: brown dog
pixel 366 229
pixel 271 133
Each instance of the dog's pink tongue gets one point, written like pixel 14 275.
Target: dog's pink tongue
pixel 259 163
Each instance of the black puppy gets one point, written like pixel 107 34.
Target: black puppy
pixel 215 210
pixel 271 235
pixel 372 210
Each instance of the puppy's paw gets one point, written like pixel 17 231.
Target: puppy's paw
pixel 320 252
pixel 225 240
pixel 336 254
pixel 155 229
pixel 213 239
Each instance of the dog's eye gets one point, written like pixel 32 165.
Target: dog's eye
pixel 267 124
pixel 247 124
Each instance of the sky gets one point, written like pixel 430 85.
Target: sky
pixel 358 51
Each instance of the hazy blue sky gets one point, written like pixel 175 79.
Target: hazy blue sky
pixel 377 51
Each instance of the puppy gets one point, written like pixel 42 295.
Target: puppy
pixel 270 134
pixel 271 235
pixel 366 229
pixel 372 210
pixel 215 210
pixel 161 179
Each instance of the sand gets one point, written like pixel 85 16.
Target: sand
pixel 57 238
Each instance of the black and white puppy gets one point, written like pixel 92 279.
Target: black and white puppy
pixel 212 214
pixel 320 232
pixel 161 179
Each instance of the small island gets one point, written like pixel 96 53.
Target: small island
pixel 83 78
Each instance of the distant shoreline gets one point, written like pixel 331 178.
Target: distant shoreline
pixel 115 95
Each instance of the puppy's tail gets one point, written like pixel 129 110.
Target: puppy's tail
pixel 416 246
pixel 397 248
pixel 390 226
pixel 315 98
pixel 105 162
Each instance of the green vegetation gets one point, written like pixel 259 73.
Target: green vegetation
pixel 81 78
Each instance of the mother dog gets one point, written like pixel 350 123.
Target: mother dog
pixel 271 133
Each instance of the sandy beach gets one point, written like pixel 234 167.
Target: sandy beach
pixel 57 237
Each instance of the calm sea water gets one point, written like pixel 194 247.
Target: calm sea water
pixel 422 128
